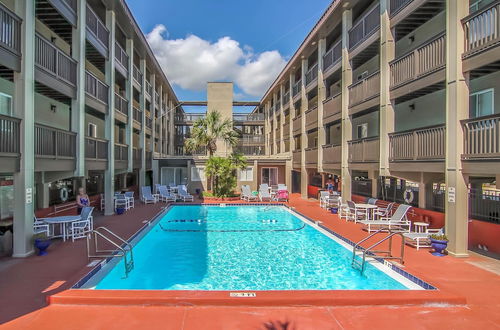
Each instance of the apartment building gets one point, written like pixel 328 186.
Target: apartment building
pixel 399 99
pixel 83 102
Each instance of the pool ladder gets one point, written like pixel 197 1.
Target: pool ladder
pixel 358 250
pixel 123 248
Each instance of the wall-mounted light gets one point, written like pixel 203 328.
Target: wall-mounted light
pixel 412 107
pixel 53 39
pixel 411 38
pixel 53 107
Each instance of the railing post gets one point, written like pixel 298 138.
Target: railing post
pixel 416 150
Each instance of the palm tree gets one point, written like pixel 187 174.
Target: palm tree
pixel 206 131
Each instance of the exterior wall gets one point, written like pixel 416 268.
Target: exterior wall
pixel 486 82
pixel 372 119
pixel 281 173
pixel 371 66
pixel 429 110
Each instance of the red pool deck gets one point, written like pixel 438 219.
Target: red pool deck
pixel 471 294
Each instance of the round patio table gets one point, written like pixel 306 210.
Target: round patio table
pixel 369 210
pixel 62 221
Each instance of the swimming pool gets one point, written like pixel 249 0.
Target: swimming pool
pixel 244 247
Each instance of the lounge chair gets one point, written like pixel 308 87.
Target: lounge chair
pixel 397 220
pixel 264 195
pixel 40 227
pixel 264 186
pixel 147 196
pixel 184 195
pixel 282 187
pixel 165 196
pixel 384 212
pixel 247 195
pixel 421 240
pixel 80 228
pixel 281 196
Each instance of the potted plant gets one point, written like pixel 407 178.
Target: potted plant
pixel 439 242
pixel 41 242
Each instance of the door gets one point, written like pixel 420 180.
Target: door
pixel 295 182
pixel 269 176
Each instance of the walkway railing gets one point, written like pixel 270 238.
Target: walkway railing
pixel 96 149
pixel 189 117
pixel 10 30
pixel 121 152
pixel 297 88
pixel 312 74
pixel 96 88
pixel 332 154
pixel 53 142
pixel 248 117
pixel 419 144
pixel 364 27
pixel 364 150
pixel 97 28
pixel 121 104
pixel 395 6
pixel 9 135
pixel 364 89
pixel 137 75
pixel 54 61
pixel 482 29
pixel 333 55
pixel 121 56
pixel 137 115
pixel 482 137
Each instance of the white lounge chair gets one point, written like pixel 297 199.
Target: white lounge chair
pixel 264 195
pixel 264 186
pixel 184 195
pixel 397 220
pixel 247 195
pixel 80 228
pixel 147 196
pixel 421 240
pixel 282 186
pixel 165 196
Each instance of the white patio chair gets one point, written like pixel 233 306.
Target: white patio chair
pixel 40 227
pixel 247 194
pixel 130 199
pixel 264 195
pixel 165 196
pixel 397 220
pixel 121 202
pixel 147 196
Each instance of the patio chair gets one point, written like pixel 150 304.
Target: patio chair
pixel 334 201
pixel 355 214
pixel 87 215
pixel 40 227
pixel 281 196
pixel 397 220
pixel 264 194
pixel 282 186
pixel 247 194
pixel 264 186
pixel 147 196
pixel 372 201
pixel 184 195
pixel 121 201
pixel 157 188
pixel 384 212
pixel 130 199
pixel 421 240
pixel 166 196
pixel 323 198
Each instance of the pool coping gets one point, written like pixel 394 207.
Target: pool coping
pixel 430 294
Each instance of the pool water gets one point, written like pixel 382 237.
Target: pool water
pixel 201 247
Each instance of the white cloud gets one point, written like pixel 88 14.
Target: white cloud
pixel 191 62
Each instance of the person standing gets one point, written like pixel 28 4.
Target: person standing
pixel 82 200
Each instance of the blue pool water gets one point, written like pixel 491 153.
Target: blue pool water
pixel 241 248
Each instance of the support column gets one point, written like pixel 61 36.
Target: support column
pixel 457 94
pixel 142 133
pixel 129 91
pixel 304 178
pixel 282 122
pixel 346 119
pixel 255 175
pixel 372 175
pixel 386 113
pixel 78 103
pixel 109 123
pixel 152 112
pixel 160 119
pixel 24 104
pixel 422 192
pixel 321 98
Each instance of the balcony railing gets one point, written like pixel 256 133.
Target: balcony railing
pixel 297 124
pixel 297 157
pixel 364 27
pixel 286 130
pixel 312 118
pixel 419 144
pixel 137 115
pixel 297 88
pixel 54 61
pixel 9 135
pixel 482 137
pixel 96 88
pixel 149 159
pixel 54 143
pixel 121 56
pixel 96 149
pixel 137 75
pixel 252 138
pixel 149 88
pixel 121 152
pixel 364 89
pixel 428 58
pixel 149 123
pixel 364 150
pixel 248 117
pixel 395 6
pixel 121 104
pixel 312 155
pixel 136 157
pixel 189 117
pixel 332 106
pixel 332 56
pixel 250 150
pixel 10 31
pixel 482 29
pixel 157 99
pixel 97 28
pixel 312 74
pixel 72 4
pixel 332 154
pixel 286 98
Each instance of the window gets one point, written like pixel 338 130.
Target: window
pixel 246 174
pixel 270 175
pixel 92 130
pixel 362 130
pixel 5 104
pixel 198 173
pixel 481 103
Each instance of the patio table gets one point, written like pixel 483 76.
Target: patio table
pixel 369 210
pixel 62 221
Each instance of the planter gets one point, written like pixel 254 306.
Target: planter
pixel 120 210
pixel 439 247
pixel 42 245
pixel 334 210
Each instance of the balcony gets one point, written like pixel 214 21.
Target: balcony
pixel 96 153
pixel 482 138
pixel 296 89
pixel 332 108
pixel 365 28
pixel 121 156
pixel 96 93
pixel 332 156
pixel 312 76
pixel 285 100
pixel 364 93
pixel 149 89
pixel 137 157
pixel 10 39
pixel 312 118
pixel 54 68
pixel 482 37
pixel 137 75
pixel 97 33
pixel 252 139
pixel 312 156
pixel 297 125
pixel 423 144
pixel 420 69
pixel 67 9
pixel 364 150
pixel 137 116
pixel 188 118
pixel 286 131
pixel 9 143
pixel 332 57
pixel 55 149
pixel 121 58
pixel 297 158
pixel 250 150
pixel 251 118
pixel 149 123
pixel 121 105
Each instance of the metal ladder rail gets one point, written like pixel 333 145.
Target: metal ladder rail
pixel 357 247
pixel 129 264
pixel 389 252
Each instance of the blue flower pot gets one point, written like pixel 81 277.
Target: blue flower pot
pixel 42 245
pixel 334 210
pixel 439 247
pixel 120 210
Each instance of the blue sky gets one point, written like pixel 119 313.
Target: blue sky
pixel 247 42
